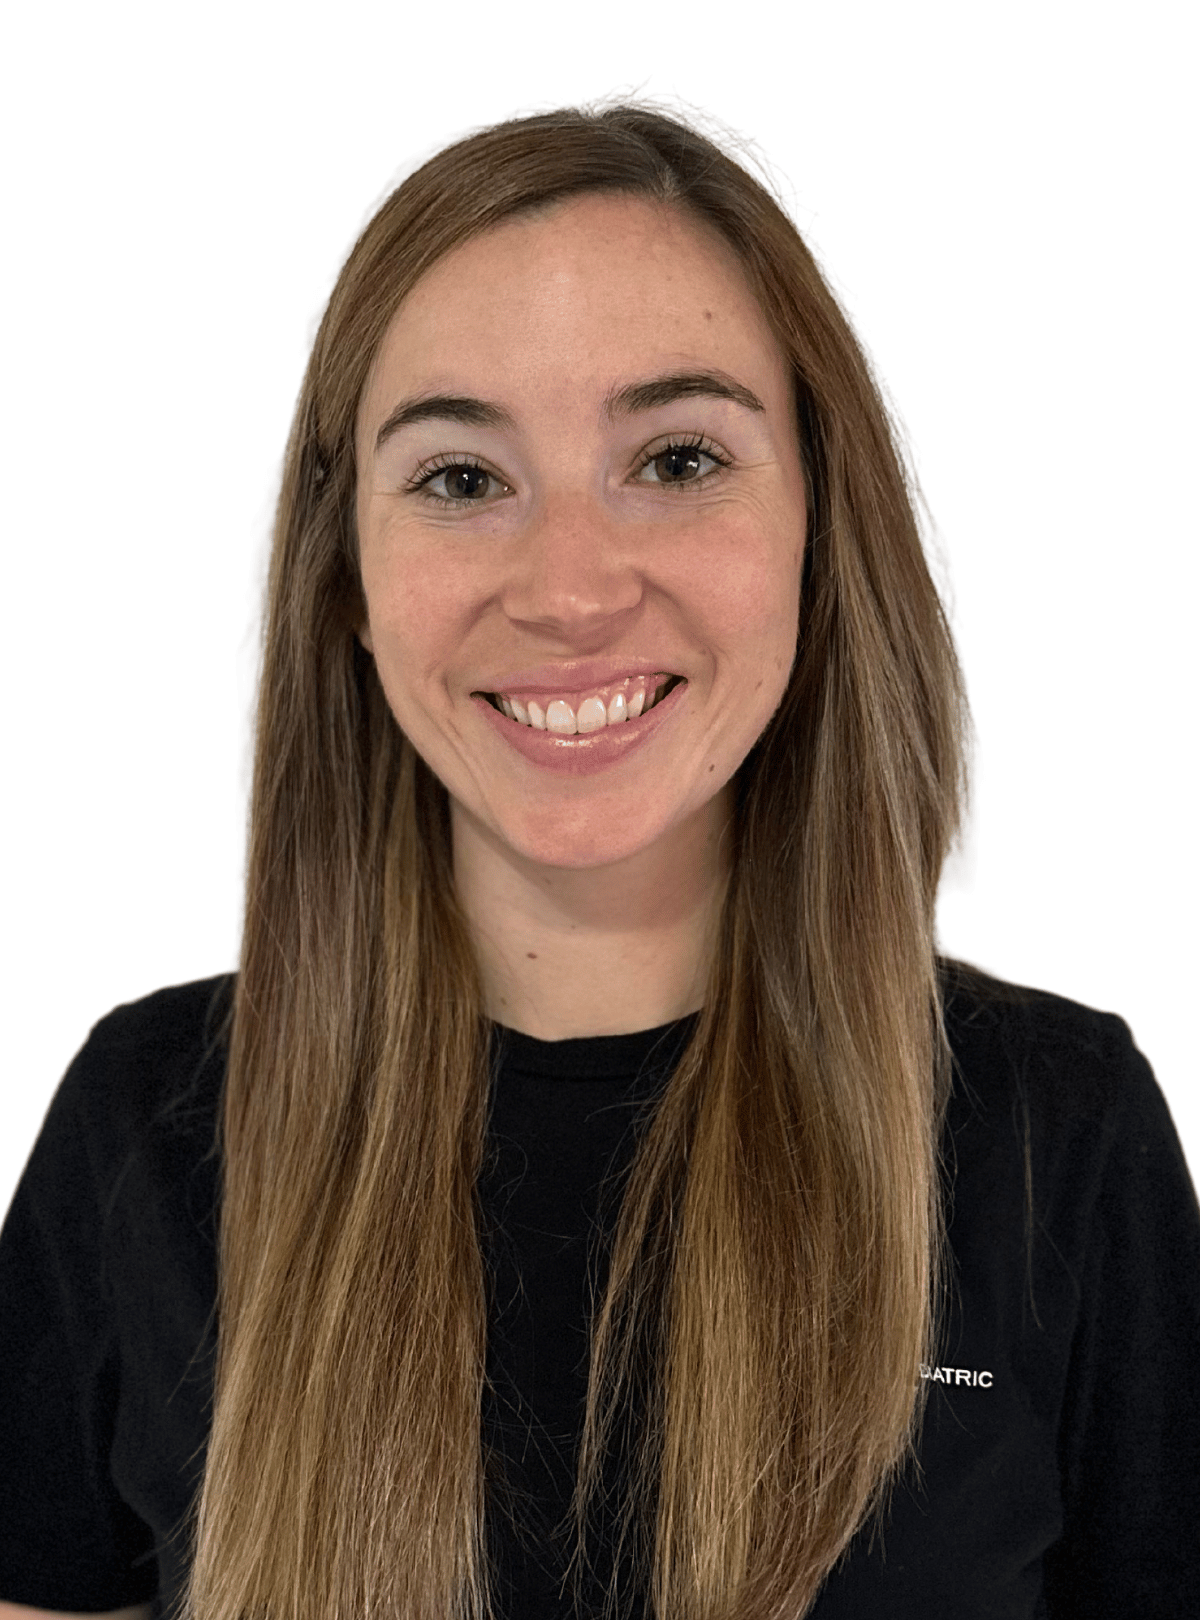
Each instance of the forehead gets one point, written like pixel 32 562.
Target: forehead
pixel 585 292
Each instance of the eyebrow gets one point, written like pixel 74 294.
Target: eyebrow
pixel 618 402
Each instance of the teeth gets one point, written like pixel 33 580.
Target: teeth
pixel 561 718
pixel 592 715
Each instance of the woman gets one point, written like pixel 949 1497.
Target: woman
pixel 555 1212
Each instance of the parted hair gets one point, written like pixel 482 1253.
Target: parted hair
pixel 776 1267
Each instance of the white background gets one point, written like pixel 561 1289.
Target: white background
pixel 1004 198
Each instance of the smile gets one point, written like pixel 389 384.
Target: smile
pixel 577 752
pixel 577 713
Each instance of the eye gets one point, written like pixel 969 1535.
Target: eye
pixel 680 464
pixel 467 482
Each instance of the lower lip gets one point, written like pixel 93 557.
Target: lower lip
pixel 582 754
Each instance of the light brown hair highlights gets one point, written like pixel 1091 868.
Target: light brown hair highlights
pixel 775 1270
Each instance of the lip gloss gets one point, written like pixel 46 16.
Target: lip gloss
pixel 582 754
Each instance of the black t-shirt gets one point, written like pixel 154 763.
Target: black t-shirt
pixel 1060 1454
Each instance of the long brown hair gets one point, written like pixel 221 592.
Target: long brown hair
pixel 774 1275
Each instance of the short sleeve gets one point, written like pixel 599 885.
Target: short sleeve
pixel 67 1538
pixel 1130 1441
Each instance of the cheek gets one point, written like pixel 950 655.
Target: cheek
pixel 751 609
pixel 749 586
pixel 408 643
pixel 416 607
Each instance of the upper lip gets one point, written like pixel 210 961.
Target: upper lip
pixel 576 675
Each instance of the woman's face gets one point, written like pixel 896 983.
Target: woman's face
pixel 579 470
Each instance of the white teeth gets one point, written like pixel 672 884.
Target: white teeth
pixel 592 715
pixel 560 718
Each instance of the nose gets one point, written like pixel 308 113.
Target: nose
pixel 574 571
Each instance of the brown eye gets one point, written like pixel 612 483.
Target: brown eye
pixel 681 465
pixel 677 465
pixel 464 483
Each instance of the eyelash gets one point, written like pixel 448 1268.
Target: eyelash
pixel 429 470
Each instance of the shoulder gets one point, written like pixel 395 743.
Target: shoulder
pixel 1053 1105
pixel 153 1066
pixel 125 1170
pixel 176 1022
pixel 1011 1043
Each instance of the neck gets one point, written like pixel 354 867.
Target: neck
pixel 604 950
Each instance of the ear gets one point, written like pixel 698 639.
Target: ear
pixel 364 635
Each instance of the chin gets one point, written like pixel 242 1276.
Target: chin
pixel 579 844
pixel 578 854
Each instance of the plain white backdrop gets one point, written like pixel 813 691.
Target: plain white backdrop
pixel 1004 200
